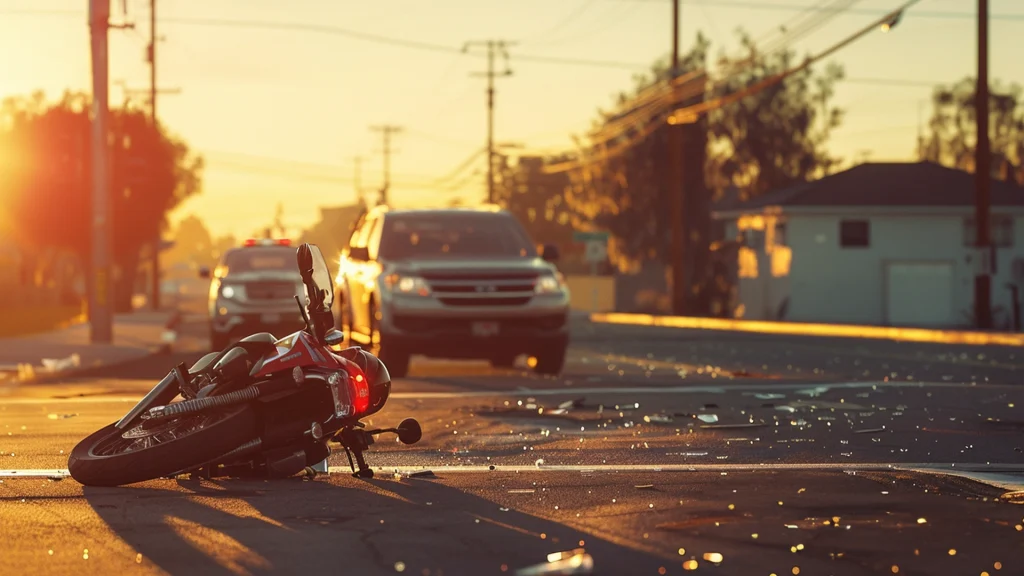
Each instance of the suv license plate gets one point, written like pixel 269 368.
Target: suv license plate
pixel 270 318
pixel 485 328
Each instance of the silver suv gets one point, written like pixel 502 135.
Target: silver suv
pixel 253 289
pixel 454 283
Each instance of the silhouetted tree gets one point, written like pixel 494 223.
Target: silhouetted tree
pixel 537 200
pixel 776 137
pixel 952 133
pixel 46 179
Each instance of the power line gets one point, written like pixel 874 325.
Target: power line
pixel 861 11
pixel 461 167
pixel 689 113
pixel 568 19
pixel 348 33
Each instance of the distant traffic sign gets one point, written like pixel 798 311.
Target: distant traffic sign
pixel 596 252
pixel 578 236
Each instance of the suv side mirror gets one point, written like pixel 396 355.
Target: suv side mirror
pixel 360 253
pixel 550 253
pixel 204 272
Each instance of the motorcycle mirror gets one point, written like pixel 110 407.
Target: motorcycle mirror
pixel 304 258
pixel 409 431
pixel 334 337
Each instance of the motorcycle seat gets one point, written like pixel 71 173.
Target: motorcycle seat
pixel 260 337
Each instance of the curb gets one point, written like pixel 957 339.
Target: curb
pixel 166 346
pixel 923 335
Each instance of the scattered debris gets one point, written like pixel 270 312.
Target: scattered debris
pixel 61 364
pixel 522 491
pixel 569 563
pixel 645 487
pixel 709 418
pixel 423 474
pixel 870 430
pixel 577 403
pixel 61 416
pixel 658 419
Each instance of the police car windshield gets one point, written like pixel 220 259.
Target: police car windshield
pixel 261 259
pixel 454 235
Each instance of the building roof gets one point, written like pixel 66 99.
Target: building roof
pixel 888 184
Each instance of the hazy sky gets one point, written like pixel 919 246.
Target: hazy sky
pixel 280 113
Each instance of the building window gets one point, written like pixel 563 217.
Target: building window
pixel 1000 231
pixel 854 234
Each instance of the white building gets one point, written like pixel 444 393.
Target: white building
pixel 879 244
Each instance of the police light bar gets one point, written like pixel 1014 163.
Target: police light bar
pixel 267 242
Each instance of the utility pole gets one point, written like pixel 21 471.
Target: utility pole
pixel 100 314
pixel 983 179
pixel 158 240
pixel 493 47
pixel 675 188
pixel 386 130
pixel 358 160
pixel 153 91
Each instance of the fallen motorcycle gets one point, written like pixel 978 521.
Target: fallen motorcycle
pixel 261 407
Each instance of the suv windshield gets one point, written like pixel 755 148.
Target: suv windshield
pixel 445 235
pixel 261 258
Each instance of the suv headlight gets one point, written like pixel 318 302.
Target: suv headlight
pixel 553 284
pixel 411 285
pixel 231 292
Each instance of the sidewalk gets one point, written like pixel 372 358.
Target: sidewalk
pixel 63 352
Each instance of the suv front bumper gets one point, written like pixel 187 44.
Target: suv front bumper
pixel 234 318
pixel 425 326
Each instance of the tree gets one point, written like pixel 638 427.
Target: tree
pixel 46 184
pixel 777 136
pixel 771 139
pixel 193 244
pixel 952 132
pixel 625 192
pixel 537 200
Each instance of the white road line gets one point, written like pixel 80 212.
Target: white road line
pixel 960 468
pixel 810 389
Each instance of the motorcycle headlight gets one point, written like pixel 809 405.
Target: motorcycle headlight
pixel 550 284
pixel 411 285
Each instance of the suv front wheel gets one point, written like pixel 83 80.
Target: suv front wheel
pixel 550 362
pixel 390 353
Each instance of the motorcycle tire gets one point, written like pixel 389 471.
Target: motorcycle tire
pixel 230 428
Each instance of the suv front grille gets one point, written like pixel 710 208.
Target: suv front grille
pixel 270 290
pixel 485 301
pixel 515 289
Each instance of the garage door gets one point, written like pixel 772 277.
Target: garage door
pixel 920 294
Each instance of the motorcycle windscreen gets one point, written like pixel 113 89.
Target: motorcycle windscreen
pixel 165 388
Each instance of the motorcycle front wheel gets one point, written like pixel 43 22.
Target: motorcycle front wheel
pixel 111 457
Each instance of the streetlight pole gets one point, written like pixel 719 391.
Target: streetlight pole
pixel 983 180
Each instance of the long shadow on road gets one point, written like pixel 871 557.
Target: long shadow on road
pixel 340 525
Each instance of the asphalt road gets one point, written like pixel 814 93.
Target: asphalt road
pixel 658 452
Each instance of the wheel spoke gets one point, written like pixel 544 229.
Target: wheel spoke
pixel 148 435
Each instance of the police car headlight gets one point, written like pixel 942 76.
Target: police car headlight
pixel 230 292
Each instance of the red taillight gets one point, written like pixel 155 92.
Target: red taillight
pixel 359 387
